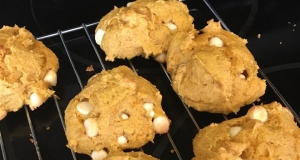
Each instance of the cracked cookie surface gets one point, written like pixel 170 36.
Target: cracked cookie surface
pixel 144 28
pixel 27 70
pixel 116 110
pixel 266 132
pixel 213 71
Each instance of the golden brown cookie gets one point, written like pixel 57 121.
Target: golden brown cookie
pixel 213 71
pixel 144 28
pixel 27 70
pixel 267 132
pixel 116 110
pixel 128 156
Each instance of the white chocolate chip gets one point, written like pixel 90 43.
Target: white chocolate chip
pixel 91 127
pixel 216 41
pixel 151 113
pixel 84 108
pixel 171 26
pixel 233 131
pixel 51 78
pixel 161 124
pixel 242 76
pixel 122 140
pixel 161 58
pixel 98 155
pixel 258 113
pixel 35 100
pixel 128 4
pixel 99 35
pixel 124 116
pixel 148 106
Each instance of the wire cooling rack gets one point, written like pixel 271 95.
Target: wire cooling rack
pixel 40 134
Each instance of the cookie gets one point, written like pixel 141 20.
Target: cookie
pixel 266 132
pixel 27 70
pixel 116 110
pixel 128 156
pixel 143 28
pixel 213 71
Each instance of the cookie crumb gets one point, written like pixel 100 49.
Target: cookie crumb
pixel 289 22
pixel 31 140
pixel 295 25
pixel 172 151
pixel 47 128
pixel 280 42
pixel 90 68
pixel 259 35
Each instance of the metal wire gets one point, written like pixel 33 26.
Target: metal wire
pixel 6 147
pixel 70 59
pixel 174 146
pixel 133 68
pixel 65 31
pixel 93 45
pixel 216 14
pixel 62 121
pixel 35 142
pixel 2 147
pixel 286 104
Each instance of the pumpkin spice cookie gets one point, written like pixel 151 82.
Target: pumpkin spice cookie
pixel 266 132
pixel 116 110
pixel 27 70
pixel 213 71
pixel 144 27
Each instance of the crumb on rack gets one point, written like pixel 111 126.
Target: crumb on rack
pixel 31 140
pixel 89 68
pixel 47 128
pixel 172 151
pixel 295 25
pixel 280 42
pixel 259 35
pixel 289 22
